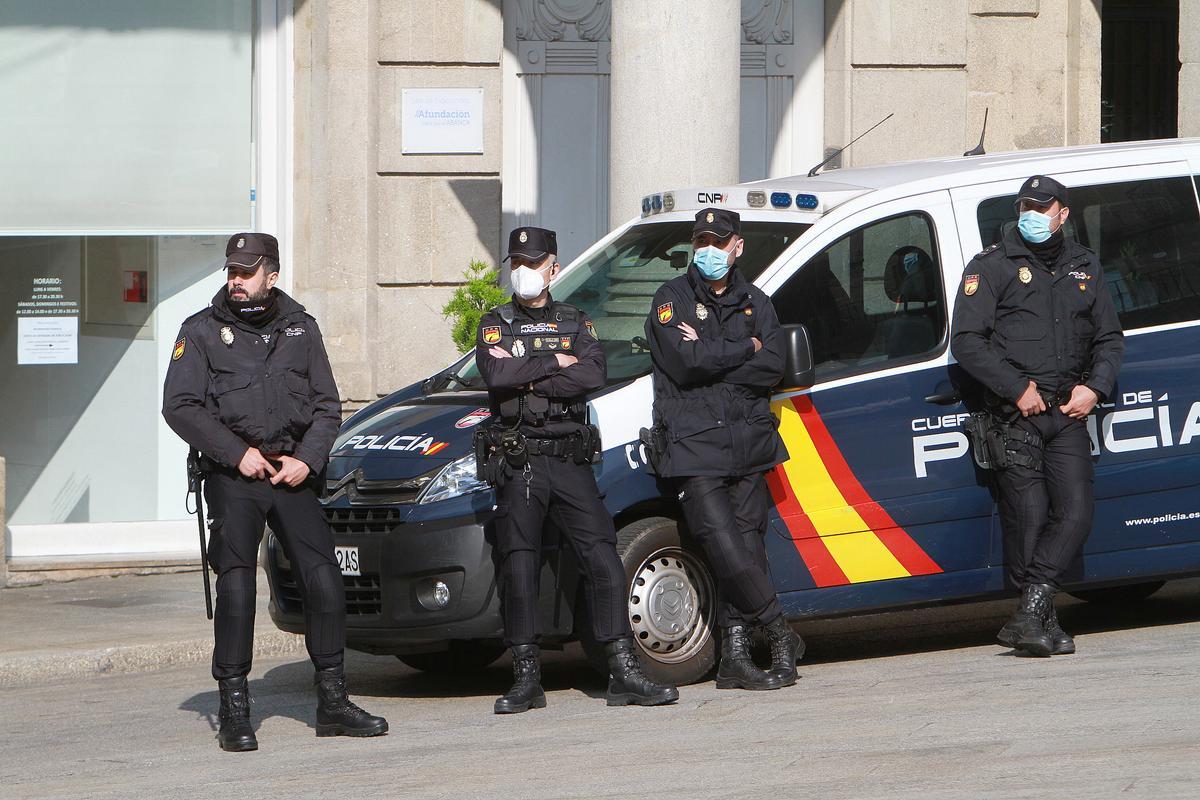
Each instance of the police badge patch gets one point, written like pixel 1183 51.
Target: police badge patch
pixel 177 353
pixel 701 312
pixel 491 334
pixel 666 313
pixel 1024 275
pixel 970 285
pixel 590 329
pixel 227 336
pixel 518 348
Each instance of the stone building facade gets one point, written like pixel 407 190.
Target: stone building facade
pixel 382 238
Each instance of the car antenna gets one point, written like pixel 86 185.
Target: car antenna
pixel 812 173
pixel 979 151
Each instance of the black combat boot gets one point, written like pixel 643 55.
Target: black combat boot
pixel 1025 629
pixel 786 649
pixel 737 670
pixel 526 691
pixel 336 715
pixel 235 735
pixel 628 684
pixel 1061 643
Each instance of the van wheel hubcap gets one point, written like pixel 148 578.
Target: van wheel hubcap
pixel 670 601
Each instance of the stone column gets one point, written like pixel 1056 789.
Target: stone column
pixel 676 94
pixel 1189 70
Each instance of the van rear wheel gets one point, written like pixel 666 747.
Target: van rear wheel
pixel 671 596
pixel 1114 595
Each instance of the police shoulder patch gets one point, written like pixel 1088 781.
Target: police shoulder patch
pixel 970 284
pixel 666 313
pixel 491 334
pixel 177 353
pixel 590 328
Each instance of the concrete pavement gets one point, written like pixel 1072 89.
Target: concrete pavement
pixel 916 704
pixel 128 623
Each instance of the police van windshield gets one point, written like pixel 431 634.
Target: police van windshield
pixel 615 285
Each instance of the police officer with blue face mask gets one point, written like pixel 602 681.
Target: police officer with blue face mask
pixel 1035 326
pixel 718 351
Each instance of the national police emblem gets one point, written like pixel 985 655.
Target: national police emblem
pixel 1024 275
pixel 227 336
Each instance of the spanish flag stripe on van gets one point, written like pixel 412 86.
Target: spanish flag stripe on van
pixel 839 531
pixel 813 552
pixel 901 545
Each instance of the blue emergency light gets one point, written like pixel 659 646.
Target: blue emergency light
pixel 807 201
pixel 781 199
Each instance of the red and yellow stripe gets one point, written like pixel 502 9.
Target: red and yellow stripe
pixel 842 535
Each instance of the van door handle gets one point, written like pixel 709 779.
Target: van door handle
pixel 944 398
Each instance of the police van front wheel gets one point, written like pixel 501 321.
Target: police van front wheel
pixel 671 599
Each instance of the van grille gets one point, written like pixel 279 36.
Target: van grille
pixel 362 521
pixel 364 598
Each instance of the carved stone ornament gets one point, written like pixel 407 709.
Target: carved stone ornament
pixel 547 20
pixel 767 21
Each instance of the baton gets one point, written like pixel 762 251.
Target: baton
pixel 196 485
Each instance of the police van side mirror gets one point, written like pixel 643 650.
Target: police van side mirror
pixel 798 371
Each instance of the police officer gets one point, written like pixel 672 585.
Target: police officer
pixel 718 351
pixel 1035 326
pixel 249 386
pixel 540 358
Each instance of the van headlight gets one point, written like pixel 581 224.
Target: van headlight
pixel 456 478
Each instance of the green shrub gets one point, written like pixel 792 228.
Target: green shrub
pixel 480 294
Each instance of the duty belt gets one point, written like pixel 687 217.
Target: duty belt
pixel 557 448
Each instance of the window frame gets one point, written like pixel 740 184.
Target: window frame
pixel 781 280
pixel 1123 176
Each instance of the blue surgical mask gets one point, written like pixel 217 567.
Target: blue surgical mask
pixel 1034 226
pixel 713 263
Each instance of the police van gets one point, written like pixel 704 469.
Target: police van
pixel 880 505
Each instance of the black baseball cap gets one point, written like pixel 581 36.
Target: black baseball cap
pixel 246 250
pixel 1043 190
pixel 719 222
pixel 532 243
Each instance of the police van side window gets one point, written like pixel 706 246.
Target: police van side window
pixel 871 299
pixel 1147 236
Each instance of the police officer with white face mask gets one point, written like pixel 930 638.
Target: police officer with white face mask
pixel 540 359
pixel 1034 324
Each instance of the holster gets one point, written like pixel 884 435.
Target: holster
pixel 997 443
pixel 499 452
pixel 654 439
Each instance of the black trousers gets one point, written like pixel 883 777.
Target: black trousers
pixel 1046 516
pixel 728 517
pixel 238 508
pixel 564 493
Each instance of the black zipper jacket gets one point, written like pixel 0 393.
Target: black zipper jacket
pixel 228 388
pixel 714 395
pixel 1017 320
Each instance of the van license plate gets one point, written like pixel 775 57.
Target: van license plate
pixel 347 558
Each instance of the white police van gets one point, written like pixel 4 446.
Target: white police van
pixel 880 505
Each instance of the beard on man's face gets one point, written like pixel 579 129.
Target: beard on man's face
pixel 242 294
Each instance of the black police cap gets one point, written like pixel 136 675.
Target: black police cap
pixel 719 222
pixel 1043 190
pixel 532 243
pixel 246 250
